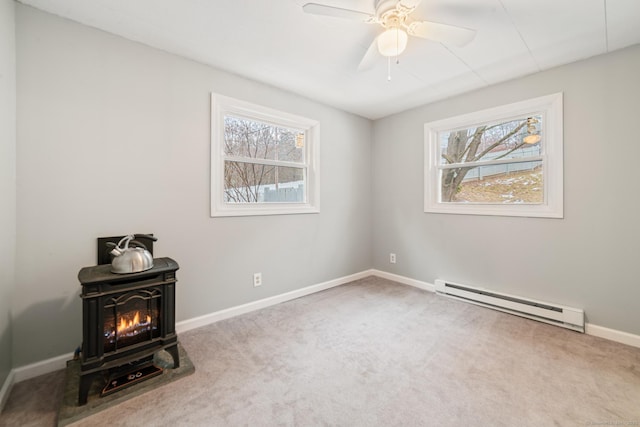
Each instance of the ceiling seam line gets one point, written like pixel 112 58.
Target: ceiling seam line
pixel 468 66
pixel 520 35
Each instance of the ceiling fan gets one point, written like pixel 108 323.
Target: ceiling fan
pixel 395 17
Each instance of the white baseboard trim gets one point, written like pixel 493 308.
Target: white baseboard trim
pixel 210 318
pixel 6 388
pixel 612 335
pixel 55 363
pixel 43 367
pixel 590 329
pixel 405 280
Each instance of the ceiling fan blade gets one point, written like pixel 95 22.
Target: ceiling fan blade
pixel 443 33
pixel 410 4
pixel 337 12
pixel 370 56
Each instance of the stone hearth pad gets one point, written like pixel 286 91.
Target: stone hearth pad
pixel 70 411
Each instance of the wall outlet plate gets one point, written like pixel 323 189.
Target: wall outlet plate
pixel 257 279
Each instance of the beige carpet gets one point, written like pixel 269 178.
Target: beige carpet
pixel 375 353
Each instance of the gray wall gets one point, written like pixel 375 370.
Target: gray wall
pixel 7 180
pixel 589 259
pixel 97 113
pixel 114 138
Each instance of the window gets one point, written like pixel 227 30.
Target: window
pixel 501 161
pixel 263 161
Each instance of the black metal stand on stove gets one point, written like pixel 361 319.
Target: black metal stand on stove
pixel 112 339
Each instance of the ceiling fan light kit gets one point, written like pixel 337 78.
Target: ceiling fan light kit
pixel 394 17
pixel 392 42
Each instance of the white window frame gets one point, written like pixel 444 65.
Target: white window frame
pixel 224 105
pixel 551 107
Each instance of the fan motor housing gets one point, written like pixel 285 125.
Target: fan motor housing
pixel 392 13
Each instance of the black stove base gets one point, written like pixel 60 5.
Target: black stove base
pixel 70 411
pixel 134 375
pixel 87 378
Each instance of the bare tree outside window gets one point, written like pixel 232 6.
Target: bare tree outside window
pixel 262 162
pixel 505 160
pixel 493 163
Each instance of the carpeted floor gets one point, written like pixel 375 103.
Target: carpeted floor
pixel 374 353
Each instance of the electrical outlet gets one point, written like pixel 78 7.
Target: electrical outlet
pixel 392 258
pixel 257 279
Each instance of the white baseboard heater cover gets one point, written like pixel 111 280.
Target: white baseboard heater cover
pixel 566 317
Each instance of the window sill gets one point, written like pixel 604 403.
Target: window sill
pixel 520 210
pixel 257 210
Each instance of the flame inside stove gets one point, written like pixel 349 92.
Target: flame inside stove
pixel 126 326
pixel 130 323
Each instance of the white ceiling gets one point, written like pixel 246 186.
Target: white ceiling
pixel 275 42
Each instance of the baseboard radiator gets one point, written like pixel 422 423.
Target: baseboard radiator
pixel 566 317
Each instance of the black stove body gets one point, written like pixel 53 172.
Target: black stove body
pixel 126 318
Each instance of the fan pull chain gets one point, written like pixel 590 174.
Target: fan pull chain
pixel 397 46
pixel 397 58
